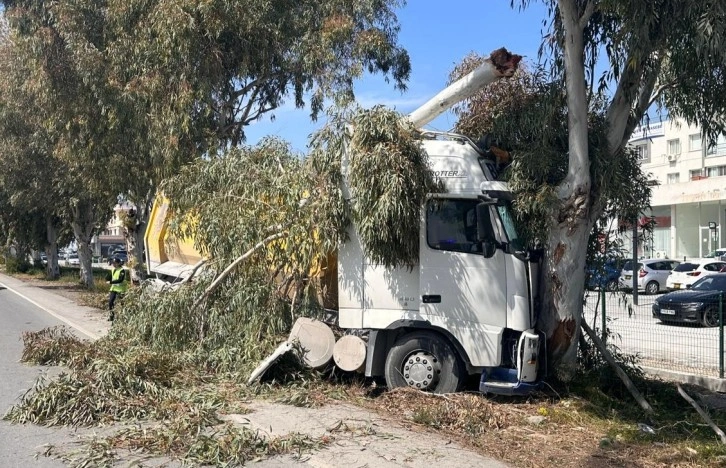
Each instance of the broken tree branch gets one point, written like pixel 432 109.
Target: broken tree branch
pixel 196 267
pixel 621 373
pixel 233 265
pixel 702 413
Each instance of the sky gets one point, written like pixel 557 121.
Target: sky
pixel 437 35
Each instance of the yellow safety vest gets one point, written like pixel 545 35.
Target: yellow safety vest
pixel 115 276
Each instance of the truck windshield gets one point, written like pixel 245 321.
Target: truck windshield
pixel 505 214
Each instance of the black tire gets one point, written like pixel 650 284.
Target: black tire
pixel 710 317
pixel 423 360
pixel 652 288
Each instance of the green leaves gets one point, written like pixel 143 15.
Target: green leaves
pixel 389 179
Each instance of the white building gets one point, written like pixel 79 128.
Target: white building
pixel 689 202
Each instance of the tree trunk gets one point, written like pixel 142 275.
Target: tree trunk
pixel 563 286
pixel 564 279
pixel 52 270
pixel 136 233
pixel 84 223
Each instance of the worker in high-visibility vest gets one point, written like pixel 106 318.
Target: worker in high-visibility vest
pixel 117 279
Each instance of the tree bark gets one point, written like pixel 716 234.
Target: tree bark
pixel 136 234
pixel 52 270
pixel 84 223
pixel 564 280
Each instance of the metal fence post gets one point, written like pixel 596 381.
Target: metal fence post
pixel 602 301
pixel 720 335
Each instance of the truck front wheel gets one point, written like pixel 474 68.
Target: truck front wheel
pixel 423 360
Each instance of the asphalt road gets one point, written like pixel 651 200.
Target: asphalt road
pixel 21 444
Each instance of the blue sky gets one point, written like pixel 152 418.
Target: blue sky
pixel 437 35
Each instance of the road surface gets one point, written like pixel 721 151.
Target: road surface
pixel 19 444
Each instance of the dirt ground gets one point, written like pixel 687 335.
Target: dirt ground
pixel 408 428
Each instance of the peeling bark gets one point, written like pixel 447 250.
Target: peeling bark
pixel 135 237
pixel 52 270
pixel 562 291
pixel 563 336
pixel 84 224
pixel 575 209
pixel 568 234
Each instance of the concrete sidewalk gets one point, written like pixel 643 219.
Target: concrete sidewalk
pixel 89 321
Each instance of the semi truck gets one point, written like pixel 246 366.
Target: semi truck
pixel 468 307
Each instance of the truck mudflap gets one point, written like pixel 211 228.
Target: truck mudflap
pixel 521 380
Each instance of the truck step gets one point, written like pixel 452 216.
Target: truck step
pixel 501 381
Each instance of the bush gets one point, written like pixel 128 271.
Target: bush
pixel 15 265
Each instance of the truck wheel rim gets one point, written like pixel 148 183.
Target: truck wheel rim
pixel 421 370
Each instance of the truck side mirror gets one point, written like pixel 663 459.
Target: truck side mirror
pixel 485 230
pixel 488 248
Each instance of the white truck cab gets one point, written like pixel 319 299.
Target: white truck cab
pixel 468 306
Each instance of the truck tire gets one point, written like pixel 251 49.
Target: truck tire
pixel 423 360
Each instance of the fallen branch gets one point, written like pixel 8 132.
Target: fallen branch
pixel 225 273
pixel 702 413
pixel 233 265
pixel 196 267
pixel 621 373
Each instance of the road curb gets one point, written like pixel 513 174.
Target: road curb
pixel 711 383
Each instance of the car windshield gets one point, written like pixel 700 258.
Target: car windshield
pixel 710 283
pixel 686 267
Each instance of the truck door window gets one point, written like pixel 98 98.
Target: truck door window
pixel 451 225
pixel 506 215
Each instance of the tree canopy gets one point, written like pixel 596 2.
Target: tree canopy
pixel 127 93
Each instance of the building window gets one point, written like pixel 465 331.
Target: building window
pixel 696 174
pixel 717 171
pixel 673 178
pixel 642 151
pixel 674 147
pixel 694 142
pixel 719 148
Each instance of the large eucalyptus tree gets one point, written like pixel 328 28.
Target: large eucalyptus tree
pixel 69 124
pixel 31 177
pixel 657 52
pixel 139 88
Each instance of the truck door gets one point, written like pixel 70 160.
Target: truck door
pixel 462 290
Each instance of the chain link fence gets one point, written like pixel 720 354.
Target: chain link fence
pixel 684 337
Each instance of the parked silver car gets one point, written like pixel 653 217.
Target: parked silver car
pixel 652 274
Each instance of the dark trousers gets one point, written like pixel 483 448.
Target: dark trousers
pixel 111 300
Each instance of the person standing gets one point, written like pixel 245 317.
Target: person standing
pixel 117 279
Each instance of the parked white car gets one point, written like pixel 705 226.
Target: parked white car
pixel 717 254
pixel 652 274
pixel 72 259
pixel 689 272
